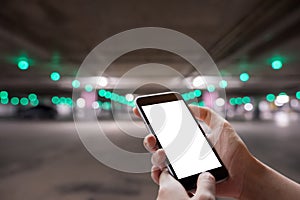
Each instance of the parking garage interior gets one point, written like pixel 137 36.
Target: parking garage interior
pixel 47 103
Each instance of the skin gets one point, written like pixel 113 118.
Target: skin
pixel 248 177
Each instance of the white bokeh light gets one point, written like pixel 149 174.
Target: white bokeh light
pixel 95 105
pixel 198 81
pixel 248 106
pixel 80 103
pixel 129 97
pixel 220 102
pixel 102 81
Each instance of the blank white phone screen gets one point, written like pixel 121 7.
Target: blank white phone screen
pixel 179 135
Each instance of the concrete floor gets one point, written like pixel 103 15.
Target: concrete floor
pixel 46 160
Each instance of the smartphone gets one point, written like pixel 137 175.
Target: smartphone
pixel 188 151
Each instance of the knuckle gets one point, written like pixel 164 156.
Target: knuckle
pixel 227 125
pixel 206 196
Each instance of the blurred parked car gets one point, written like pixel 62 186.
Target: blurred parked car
pixel 38 112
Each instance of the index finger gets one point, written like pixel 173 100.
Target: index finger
pixel 207 115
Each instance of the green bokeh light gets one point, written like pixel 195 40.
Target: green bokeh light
pixel 232 101
pixel 246 99
pixel 277 64
pixel 197 93
pixel 4 100
pixel 211 88
pixel 191 95
pixel 14 101
pixel 69 101
pixel 32 97
pixel 201 103
pixel 106 105
pixel 3 94
pixel 55 100
pixel 35 102
pixel 244 77
pixel 238 101
pixel 298 95
pixel 88 88
pixel 75 84
pixel 108 95
pixel 63 100
pixel 270 97
pixel 185 96
pixel 55 76
pixel 24 101
pixel 102 92
pixel 122 100
pixel 23 64
pixel 223 84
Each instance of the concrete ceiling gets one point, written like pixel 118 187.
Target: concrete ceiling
pixel 239 35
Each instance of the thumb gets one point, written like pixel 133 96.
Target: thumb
pixel 167 181
pixel 206 187
pixel 169 188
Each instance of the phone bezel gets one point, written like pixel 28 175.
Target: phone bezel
pixel 189 182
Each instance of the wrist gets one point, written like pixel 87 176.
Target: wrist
pixel 253 179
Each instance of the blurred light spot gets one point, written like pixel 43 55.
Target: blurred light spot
pixel 106 106
pixel 55 100
pixel 34 102
pixel 23 64
pixel 278 104
pixel 263 106
pixel 298 95
pixel 55 76
pixel 294 103
pixel 223 84
pixel 201 103
pixel 211 88
pixel 108 95
pixel 246 99
pixel 244 77
pixel 63 110
pixel 63 100
pixel 32 97
pixel 276 64
pixel 3 94
pixel 220 102
pixel 102 81
pixel 198 81
pixel 197 93
pixel 102 93
pixel 248 107
pixel 88 88
pixel 270 97
pixel 238 101
pixel 191 95
pixel 24 101
pixel 80 102
pixel 4 100
pixel 115 97
pixel 14 101
pixel 95 105
pixel 129 97
pixel 232 101
pixel 75 84
pixel 282 99
pixel 282 119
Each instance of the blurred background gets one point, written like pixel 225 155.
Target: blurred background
pixel 255 44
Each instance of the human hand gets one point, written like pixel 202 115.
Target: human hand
pixel 229 146
pixel 171 189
